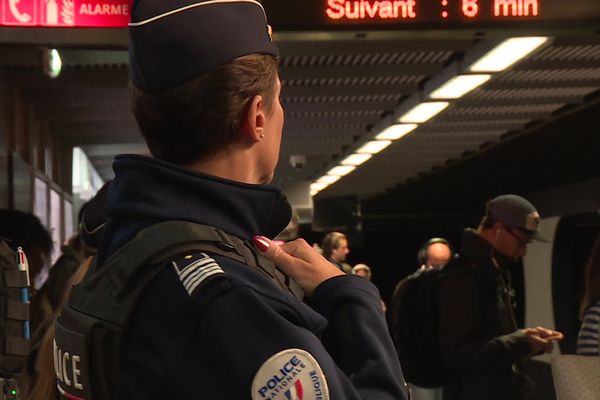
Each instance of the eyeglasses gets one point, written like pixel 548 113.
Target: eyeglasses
pixel 525 239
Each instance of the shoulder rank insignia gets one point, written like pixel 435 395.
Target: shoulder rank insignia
pixel 196 270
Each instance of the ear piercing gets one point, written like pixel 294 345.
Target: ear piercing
pixel 262 135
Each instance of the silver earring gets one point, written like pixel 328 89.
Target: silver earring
pixel 262 136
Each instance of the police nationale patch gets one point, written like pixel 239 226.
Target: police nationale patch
pixel 292 374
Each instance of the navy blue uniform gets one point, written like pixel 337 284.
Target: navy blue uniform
pixel 212 328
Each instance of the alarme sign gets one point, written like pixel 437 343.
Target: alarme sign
pixel 66 13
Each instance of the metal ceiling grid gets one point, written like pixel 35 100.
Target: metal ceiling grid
pixel 563 94
pixel 332 93
pixel 407 158
pixel 535 90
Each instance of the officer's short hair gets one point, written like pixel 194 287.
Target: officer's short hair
pixel 200 118
pixel 330 242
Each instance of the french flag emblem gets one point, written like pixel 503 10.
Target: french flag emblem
pixel 295 393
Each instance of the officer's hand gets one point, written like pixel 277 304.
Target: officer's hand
pixel 299 261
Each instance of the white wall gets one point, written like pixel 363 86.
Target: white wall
pixel 538 282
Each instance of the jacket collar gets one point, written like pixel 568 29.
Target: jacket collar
pixel 146 191
pixel 476 250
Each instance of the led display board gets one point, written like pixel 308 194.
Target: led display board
pixel 323 14
pixel 437 14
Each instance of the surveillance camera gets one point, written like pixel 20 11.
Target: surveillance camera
pixel 298 161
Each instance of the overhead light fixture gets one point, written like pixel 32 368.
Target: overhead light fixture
pixel 313 192
pixel 374 146
pixel 52 63
pixel 395 132
pixel 341 170
pixel 423 112
pixel 317 186
pixel 459 86
pixel 356 159
pixel 328 179
pixel 507 53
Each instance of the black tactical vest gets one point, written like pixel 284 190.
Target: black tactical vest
pixel 14 314
pixel 89 331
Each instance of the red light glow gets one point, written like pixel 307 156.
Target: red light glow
pixel 470 8
pixel 444 14
pixel 66 13
pixel 371 9
pixel 515 8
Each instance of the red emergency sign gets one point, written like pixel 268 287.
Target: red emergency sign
pixel 66 13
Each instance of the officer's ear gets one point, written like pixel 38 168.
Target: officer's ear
pixel 254 120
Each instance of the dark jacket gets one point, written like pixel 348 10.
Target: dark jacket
pixel 178 346
pixel 60 273
pixel 478 335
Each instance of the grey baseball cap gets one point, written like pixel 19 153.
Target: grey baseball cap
pixel 517 212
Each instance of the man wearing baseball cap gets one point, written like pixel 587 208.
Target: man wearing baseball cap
pixel 479 339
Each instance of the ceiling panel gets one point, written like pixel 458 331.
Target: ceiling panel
pixel 335 92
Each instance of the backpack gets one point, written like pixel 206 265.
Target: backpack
pixel 14 313
pixel 414 327
pixel 90 328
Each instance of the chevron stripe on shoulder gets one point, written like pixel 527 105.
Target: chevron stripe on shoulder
pixel 196 270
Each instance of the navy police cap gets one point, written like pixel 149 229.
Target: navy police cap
pixel 174 41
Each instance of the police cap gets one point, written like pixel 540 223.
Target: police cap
pixel 174 41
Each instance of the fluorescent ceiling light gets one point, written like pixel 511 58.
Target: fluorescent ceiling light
pixel 459 86
pixel 374 146
pixel 317 186
pixel 356 159
pixel 423 112
pixel 313 192
pixel 341 170
pixel 328 179
pixel 395 132
pixel 507 53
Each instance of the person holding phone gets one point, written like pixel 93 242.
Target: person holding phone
pixel 480 342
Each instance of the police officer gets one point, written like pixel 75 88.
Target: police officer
pixel 205 93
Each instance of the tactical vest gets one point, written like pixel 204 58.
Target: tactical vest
pixel 14 317
pixel 89 331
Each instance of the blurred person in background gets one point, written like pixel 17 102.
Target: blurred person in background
pixel 26 230
pixel 92 224
pixel 335 249
pixel 588 340
pixel 435 253
pixel 362 270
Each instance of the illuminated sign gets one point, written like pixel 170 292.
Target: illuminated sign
pixel 397 9
pixel 405 9
pixel 66 13
pixel 435 14
pixel 328 14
